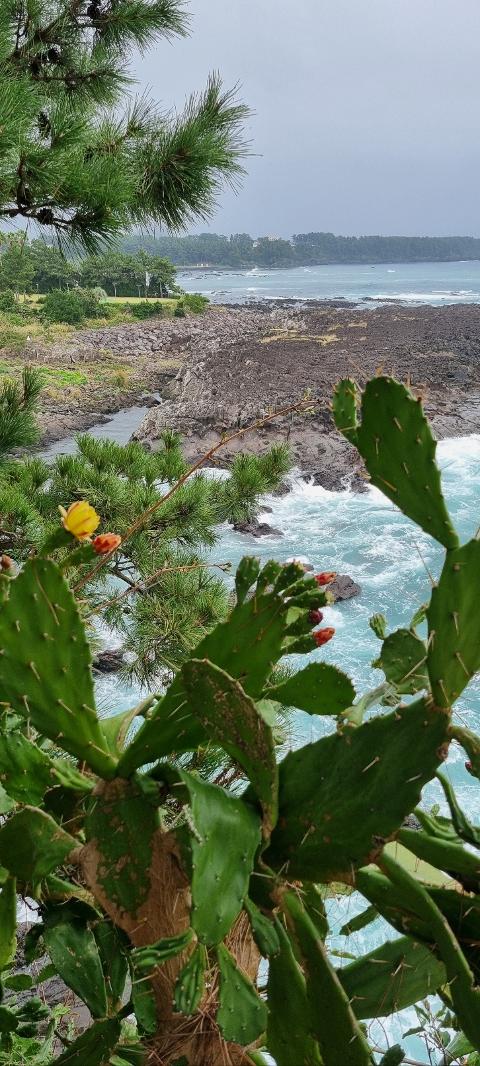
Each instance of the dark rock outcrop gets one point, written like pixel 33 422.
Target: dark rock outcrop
pixel 344 587
pixel 257 529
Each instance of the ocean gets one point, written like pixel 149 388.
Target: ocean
pixel 413 283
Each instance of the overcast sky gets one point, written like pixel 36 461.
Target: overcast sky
pixel 367 112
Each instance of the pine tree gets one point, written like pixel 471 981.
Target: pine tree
pixel 165 594
pixel 78 152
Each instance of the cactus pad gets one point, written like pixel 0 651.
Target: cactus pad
pixel 454 625
pixel 8 922
pixel 27 772
pixel 340 1038
pixel 403 660
pixel 73 950
pixel 94 1046
pixel 345 408
pixel 190 983
pixel 224 839
pixel 391 977
pixel 341 796
pixel 241 1015
pixel 231 719
pixel 246 646
pixel 288 1029
pixel 32 844
pixel 318 689
pixel 120 827
pixel 155 954
pixel 460 979
pixel 45 663
pixel 264 932
pixel 398 448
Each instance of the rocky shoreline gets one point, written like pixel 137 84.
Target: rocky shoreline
pixel 211 374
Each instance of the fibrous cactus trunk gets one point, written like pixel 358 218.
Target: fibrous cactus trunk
pixel 164 913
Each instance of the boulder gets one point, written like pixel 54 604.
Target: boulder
pixel 343 587
pixel 257 529
pixel 108 661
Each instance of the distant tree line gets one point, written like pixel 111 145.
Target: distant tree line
pixel 304 249
pixel 35 266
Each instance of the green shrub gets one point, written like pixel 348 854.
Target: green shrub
pixel 71 305
pixel 195 302
pixel 180 311
pixel 8 301
pixel 146 309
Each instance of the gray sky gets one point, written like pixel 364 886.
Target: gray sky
pixel 367 112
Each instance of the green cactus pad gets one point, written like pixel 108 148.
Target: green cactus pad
pixel 112 945
pixel 460 979
pixel 27 772
pixel 155 954
pixel 443 854
pixel 121 825
pixel 32 844
pixel 8 922
pixel 378 624
pixel 398 447
pixel 391 977
pixel 190 984
pixel 224 839
pixel 454 625
pixel 289 1036
pixel 340 1038
pixel 241 1015
pixel 341 796
pixel 403 660
pixel 246 646
pixel 45 663
pixel 460 910
pixel 73 950
pixel 247 573
pixel 231 719
pixel 264 932
pixel 464 828
pixel 318 689
pixel 8 1020
pixel 345 408
pixel 359 922
pixel 470 743
pixel 94 1047
pixel 144 1005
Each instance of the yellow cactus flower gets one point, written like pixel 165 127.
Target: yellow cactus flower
pixel 80 519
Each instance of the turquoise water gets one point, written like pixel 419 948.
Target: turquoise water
pixel 415 283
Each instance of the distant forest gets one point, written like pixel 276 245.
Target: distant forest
pixel 304 249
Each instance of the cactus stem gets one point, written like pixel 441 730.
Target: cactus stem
pixel 372 763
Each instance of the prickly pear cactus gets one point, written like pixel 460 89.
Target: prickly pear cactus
pixel 197 855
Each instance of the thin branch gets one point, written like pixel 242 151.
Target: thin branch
pixel 304 405
pixel 153 579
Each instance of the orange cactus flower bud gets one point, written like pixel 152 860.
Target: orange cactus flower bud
pixel 325 577
pixel 80 519
pixel 322 636
pixel 106 543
